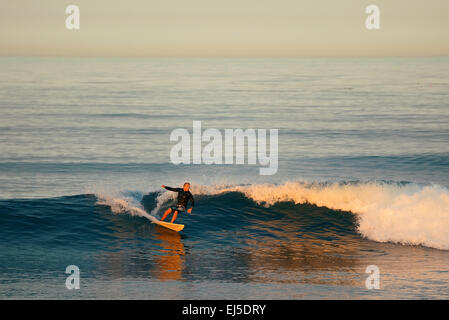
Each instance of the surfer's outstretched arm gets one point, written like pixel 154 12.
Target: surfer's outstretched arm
pixel 171 189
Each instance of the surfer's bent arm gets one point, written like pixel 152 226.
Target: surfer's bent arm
pixel 191 201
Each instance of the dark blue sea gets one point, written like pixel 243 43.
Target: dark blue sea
pixel 362 179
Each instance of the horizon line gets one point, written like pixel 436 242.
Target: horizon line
pixel 224 56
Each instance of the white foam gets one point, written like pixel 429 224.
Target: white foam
pixel 407 214
pixel 123 205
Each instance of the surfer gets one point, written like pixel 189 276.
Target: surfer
pixel 184 196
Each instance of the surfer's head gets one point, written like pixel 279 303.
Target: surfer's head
pixel 186 186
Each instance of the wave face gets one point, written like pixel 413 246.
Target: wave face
pixel 407 214
pixel 384 212
pixel 288 233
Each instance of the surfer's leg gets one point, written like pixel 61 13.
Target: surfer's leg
pixel 166 214
pixel 174 216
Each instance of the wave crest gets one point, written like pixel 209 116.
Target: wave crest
pixel 407 214
pixel 123 205
pixel 386 212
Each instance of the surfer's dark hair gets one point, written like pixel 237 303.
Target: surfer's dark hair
pixel 186 183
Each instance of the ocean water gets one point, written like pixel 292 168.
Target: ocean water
pixel 363 178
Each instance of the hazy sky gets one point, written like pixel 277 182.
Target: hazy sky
pixel 224 28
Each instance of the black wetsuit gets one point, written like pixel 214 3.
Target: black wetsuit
pixel 183 197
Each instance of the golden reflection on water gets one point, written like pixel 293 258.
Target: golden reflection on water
pixel 274 251
pixel 288 255
pixel 169 263
pixel 162 256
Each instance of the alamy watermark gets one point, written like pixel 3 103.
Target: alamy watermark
pixel 373 280
pixel 73 280
pixel 72 21
pixel 189 148
pixel 372 22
